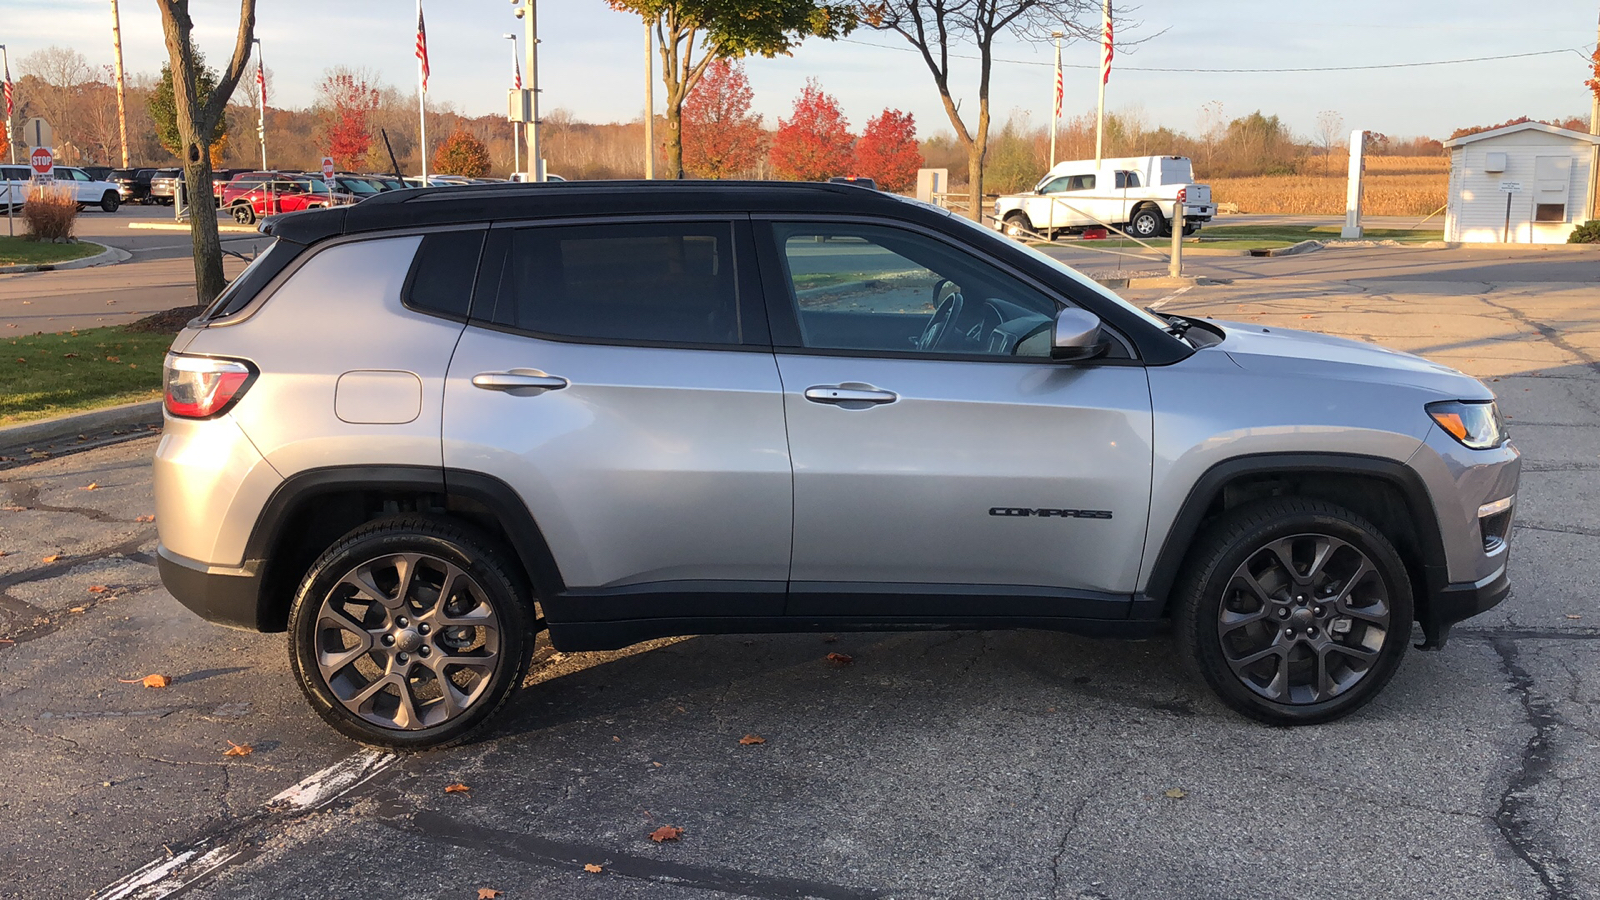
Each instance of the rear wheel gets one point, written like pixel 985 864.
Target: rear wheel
pixel 1296 611
pixel 410 632
pixel 110 202
pixel 1190 228
pixel 1146 223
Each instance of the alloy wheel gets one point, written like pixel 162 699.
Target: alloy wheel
pixel 407 641
pixel 1303 619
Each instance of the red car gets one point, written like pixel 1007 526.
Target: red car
pixel 254 195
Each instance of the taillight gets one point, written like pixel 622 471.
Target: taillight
pixel 199 387
pixel 1183 194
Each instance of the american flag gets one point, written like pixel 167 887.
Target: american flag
pixel 1059 88
pixel 8 94
pixel 1106 50
pixel 261 83
pixel 422 47
pixel 516 72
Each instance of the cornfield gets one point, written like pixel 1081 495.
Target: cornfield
pixel 1386 192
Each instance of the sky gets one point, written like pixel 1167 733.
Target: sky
pixel 591 59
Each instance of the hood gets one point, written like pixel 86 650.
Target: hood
pixel 1270 350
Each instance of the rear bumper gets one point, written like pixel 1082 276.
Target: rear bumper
pixel 226 596
pixel 1458 602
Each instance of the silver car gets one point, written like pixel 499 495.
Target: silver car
pixel 418 430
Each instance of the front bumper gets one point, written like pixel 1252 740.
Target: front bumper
pixel 1457 602
pixel 226 596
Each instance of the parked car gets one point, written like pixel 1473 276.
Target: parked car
pixel 386 182
pixel 1140 194
pixel 219 182
pixel 133 185
pixel 97 173
pixel 609 409
pixel 164 185
pixel 523 178
pixel 91 191
pixel 359 187
pixel 256 195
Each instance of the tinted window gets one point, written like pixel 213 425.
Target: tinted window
pixel 666 282
pixel 867 287
pixel 443 273
pixel 1127 180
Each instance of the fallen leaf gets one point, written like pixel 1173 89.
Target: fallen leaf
pixel 1177 793
pixel 113 359
pixel 238 749
pixel 157 680
pixel 1574 616
pixel 69 356
pixel 91 486
pixel 591 867
pixel 457 788
pixel 78 609
pixel 615 739
pixel 1308 317
pixel 749 739
pixel 841 658
pixel 14 508
pixel 97 589
pixel 656 764
pixel 52 557
pixel 487 893
pixel 145 519
pixel 666 833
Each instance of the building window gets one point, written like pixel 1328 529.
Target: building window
pixel 1550 212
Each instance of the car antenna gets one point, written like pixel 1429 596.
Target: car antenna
pixel 392 161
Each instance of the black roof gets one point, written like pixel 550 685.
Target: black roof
pixel 467 203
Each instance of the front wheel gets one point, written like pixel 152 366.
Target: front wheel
pixel 1296 611
pixel 110 202
pixel 1146 223
pixel 410 632
pixel 1017 225
pixel 244 214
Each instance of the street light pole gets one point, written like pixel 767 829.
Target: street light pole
pixel 649 102
pixel 516 127
pixel 528 12
pixel 261 96
pixel 122 105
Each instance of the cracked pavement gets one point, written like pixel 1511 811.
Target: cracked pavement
pixel 1004 764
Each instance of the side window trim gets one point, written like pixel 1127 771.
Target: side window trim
pixel 784 322
pixel 754 333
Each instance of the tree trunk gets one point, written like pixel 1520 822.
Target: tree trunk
pixel 208 278
pixel 674 139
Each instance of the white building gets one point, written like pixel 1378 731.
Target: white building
pixel 1543 172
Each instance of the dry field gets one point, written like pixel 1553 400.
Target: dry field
pixel 1395 186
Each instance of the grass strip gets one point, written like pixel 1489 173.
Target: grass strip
pixel 45 375
pixel 18 251
pixel 1316 232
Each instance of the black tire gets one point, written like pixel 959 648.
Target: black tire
pixel 1245 540
pixel 1146 222
pixel 244 214
pixel 382 689
pixel 1018 225
pixel 110 202
pixel 1190 228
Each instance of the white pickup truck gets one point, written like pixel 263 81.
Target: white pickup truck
pixel 1137 194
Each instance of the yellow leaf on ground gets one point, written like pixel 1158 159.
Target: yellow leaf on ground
pixel 752 739
pixel 52 557
pixel 97 589
pixel 91 486
pixel 238 749
pixel 150 681
pixel 487 893
pixel 457 788
pixel 1177 793
pixel 666 833
pixel 591 867
pixel 145 519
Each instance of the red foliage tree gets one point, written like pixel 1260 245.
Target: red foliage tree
pixel 348 99
pixel 887 152
pixel 721 138
pixel 815 143
pixel 462 153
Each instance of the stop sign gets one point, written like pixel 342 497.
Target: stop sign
pixel 41 160
pixel 327 167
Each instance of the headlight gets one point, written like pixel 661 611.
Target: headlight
pixel 1476 424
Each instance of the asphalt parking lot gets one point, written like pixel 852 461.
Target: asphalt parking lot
pixel 955 764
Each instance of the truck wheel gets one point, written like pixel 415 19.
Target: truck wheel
pixel 1146 223
pixel 244 214
pixel 1295 611
pixel 110 202
pixel 1190 228
pixel 1018 225
pixel 410 632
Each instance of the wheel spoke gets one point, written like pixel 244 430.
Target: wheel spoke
pixel 1322 689
pixel 367 589
pixel 1283 551
pixel 406 716
pixel 406 567
pixel 1245 575
pixel 1232 621
pixel 1325 548
pixel 1360 653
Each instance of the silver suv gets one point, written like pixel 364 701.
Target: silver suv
pixel 418 430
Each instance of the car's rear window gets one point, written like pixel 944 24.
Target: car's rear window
pixel 443 272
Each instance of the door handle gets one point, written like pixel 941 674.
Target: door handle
pixel 526 381
pixel 850 395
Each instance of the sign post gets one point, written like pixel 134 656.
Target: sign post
pixel 1510 189
pixel 327 176
pixel 1352 198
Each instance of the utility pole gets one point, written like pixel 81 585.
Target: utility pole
pixel 528 12
pixel 122 104
pixel 516 127
pixel 649 101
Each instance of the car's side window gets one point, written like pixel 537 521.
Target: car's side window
pixel 1056 185
pixel 1081 183
pixel 651 282
pixel 443 273
pixel 877 288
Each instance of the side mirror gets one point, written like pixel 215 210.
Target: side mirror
pixel 1076 336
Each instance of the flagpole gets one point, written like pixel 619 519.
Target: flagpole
pixel 1105 75
pixel 516 127
pixel 422 92
pixel 1055 101
pixel 261 91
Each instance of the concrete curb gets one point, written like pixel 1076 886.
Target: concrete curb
pixel 179 226
pixel 30 434
pixel 108 256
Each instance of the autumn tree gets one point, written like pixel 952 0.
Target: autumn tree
pixel 347 99
pixel 164 111
pixel 887 152
pixel 814 143
pixel 721 137
pixel 1330 128
pixel 726 29
pixel 943 30
pixel 462 154
pixel 199 114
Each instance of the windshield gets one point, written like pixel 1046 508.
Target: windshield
pixel 357 186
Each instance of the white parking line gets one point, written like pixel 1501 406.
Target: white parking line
pixel 165 876
pixel 1170 297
